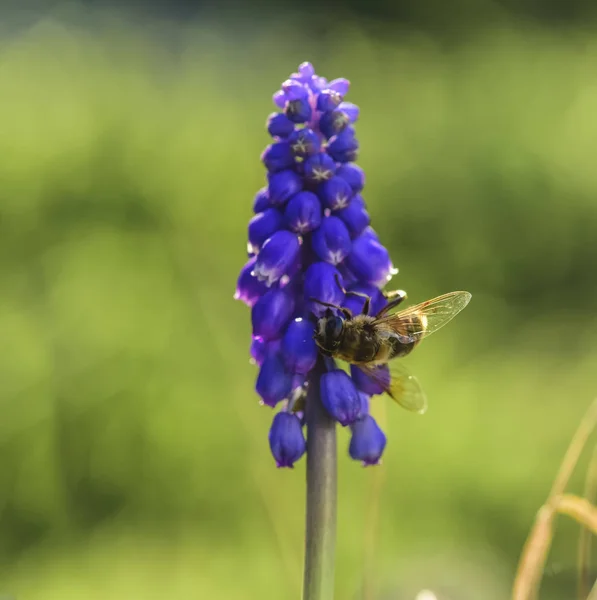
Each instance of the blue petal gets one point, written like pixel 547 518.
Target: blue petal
pixel 273 382
pixel 264 225
pixel 304 142
pixel 261 201
pixel 283 185
pixel 279 125
pixel 335 193
pixel 286 439
pixel 366 384
pixel 277 157
pixel 248 288
pixel 369 261
pixel 298 347
pixel 368 441
pixel 340 397
pixel 278 255
pixel 271 313
pixel 319 167
pixel 298 111
pixel 328 100
pixel 320 282
pixel 353 174
pixel 303 212
pixel 355 216
pixel 331 242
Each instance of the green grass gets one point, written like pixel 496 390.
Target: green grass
pixel 134 456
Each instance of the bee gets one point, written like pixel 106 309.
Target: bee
pixel 372 342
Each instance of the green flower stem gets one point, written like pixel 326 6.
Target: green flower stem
pixel 320 535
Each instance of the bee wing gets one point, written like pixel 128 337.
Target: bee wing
pixel 431 315
pixel 403 387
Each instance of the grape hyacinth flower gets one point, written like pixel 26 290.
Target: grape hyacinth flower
pixel 310 238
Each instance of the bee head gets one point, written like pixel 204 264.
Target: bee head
pixel 328 333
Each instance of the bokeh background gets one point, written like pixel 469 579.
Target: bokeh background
pixel 133 452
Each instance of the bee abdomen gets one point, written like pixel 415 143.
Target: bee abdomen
pixel 397 345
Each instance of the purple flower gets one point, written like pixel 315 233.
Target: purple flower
pixel 298 346
pixel 331 242
pixel 264 225
pixel 283 185
pixel 320 283
pixel 335 193
pixel 355 216
pixel 277 256
pixel 340 397
pixel 279 125
pixel 248 288
pixel 286 439
pixel 353 175
pixel 274 382
pixel 311 238
pixel 368 441
pixel 271 313
pixel 303 212
pixel 277 157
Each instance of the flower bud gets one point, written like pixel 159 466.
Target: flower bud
pixel 264 225
pixel 298 347
pixel 335 193
pixel 333 122
pixel 283 185
pixel 368 441
pixel 340 397
pixel 343 147
pixel 355 216
pixel 277 257
pixel 279 125
pixel 331 241
pixel 304 142
pixel 271 313
pixel 369 260
pixel 299 110
pixel 273 382
pixel 320 282
pixel 286 439
pixel 353 175
pixel 319 167
pixel 339 85
pixel 350 110
pixel 303 212
pixel 248 288
pixel 261 201
pixel 277 157
pixel 328 100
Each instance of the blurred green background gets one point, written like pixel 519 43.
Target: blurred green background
pixel 133 452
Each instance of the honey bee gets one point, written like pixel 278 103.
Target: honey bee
pixel 370 342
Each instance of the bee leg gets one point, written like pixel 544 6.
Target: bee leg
pixel 398 296
pixel 367 303
pixel 345 311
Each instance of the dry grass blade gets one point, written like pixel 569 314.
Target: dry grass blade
pixel 536 548
pixel 584 542
pixel 580 509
